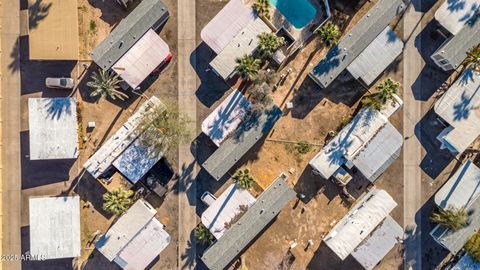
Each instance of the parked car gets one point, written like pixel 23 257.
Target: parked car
pixel 62 83
pixel 208 198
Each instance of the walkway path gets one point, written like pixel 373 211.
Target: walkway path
pixel 187 164
pixel 412 155
pixel 10 179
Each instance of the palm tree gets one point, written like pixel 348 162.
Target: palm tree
pixel 262 7
pixel 329 34
pixel 165 128
pixel 248 67
pixel 105 84
pixel 473 246
pixel 451 218
pixel 387 89
pixel 473 58
pixel 372 102
pixel 243 179
pixel 203 234
pixel 268 43
pixel 117 201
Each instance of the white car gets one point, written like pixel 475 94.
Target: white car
pixel 62 83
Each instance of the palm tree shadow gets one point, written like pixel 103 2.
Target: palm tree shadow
pixel 37 12
pixel 57 106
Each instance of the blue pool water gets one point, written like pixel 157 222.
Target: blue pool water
pixel 298 12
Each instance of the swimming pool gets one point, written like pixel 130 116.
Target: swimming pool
pixel 298 12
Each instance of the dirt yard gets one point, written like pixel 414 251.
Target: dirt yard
pixel 315 112
pixel 96 19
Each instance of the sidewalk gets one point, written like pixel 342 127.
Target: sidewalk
pixel 10 133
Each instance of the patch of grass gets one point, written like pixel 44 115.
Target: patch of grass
pixel 92 25
pixel 303 147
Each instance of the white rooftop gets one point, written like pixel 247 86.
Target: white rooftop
pixel 380 242
pixel 55 227
pixel 53 128
pixel 99 162
pixel 349 140
pixel 459 107
pixel 359 222
pixel 376 57
pixel 145 247
pixel 136 222
pixel 225 208
pixel 138 62
pixel 462 189
pixel 244 43
pixel 453 14
pixel 379 153
pixel 226 25
pixel 225 119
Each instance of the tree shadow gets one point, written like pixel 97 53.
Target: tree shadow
pixel 436 159
pixel 37 12
pixel 112 12
pixel 190 254
pixel 345 89
pixel 58 106
pixel 14 65
pixel 212 87
pixel 37 173
pixel 311 186
pixel 431 77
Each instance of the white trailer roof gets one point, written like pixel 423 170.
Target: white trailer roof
pixel 53 128
pixel 359 222
pixel 225 119
pixel 225 208
pixel 462 189
pixel 55 227
pixel 97 164
pixel 145 247
pixel 226 25
pixel 125 229
pixel 348 141
pixel 380 242
pixel 244 43
pixel 453 15
pixel 138 62
pixel 376 57
pixel 459 107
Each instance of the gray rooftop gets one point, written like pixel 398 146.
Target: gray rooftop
pixel 257 217
pixel 148 14
pixel 253 129
pixel 455 50
pixel 378 244
pixel 354 42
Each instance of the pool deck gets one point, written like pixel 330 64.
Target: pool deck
pixel 303 34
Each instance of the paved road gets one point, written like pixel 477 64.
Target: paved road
pixel 187 103
pixel 412 155
pixel 10 129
